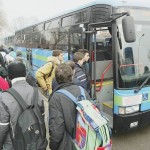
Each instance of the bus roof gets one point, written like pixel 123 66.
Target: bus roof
pixel 114 3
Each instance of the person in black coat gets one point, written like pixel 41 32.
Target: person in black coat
pixel 86 68
pixel 62 110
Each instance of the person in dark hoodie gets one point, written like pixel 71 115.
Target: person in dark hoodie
pixel 62 110
pixel 80 74
pixel 85 67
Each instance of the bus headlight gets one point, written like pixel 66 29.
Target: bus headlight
pixel 128 110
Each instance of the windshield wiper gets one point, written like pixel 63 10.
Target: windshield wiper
pixel 137 90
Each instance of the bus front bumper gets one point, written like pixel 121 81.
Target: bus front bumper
pixel 123 123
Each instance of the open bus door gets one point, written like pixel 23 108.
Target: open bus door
pixel 75 40
pixel 101 67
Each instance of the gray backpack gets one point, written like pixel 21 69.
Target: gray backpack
pixel 30 132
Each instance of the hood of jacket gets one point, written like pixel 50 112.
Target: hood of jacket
pixel 53 59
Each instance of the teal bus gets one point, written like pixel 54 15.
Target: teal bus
pixel 116 33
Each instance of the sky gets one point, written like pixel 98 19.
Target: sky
pixel 32 11
pixel 40 9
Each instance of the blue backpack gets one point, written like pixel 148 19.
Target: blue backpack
pixel 92 129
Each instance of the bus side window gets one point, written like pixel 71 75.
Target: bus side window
pixel 129 62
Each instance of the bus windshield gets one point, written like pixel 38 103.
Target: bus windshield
pixel 134 58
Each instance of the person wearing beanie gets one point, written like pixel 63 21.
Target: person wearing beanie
pixel 16 70
pixel 46 73
pixel 9 107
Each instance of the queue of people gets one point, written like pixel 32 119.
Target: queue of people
pixel 51 77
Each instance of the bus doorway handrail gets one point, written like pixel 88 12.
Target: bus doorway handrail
pixel 102 77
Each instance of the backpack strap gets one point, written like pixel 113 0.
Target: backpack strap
pixel 35 104
pixel 35 98
pixel 18 98
pixel 68 94
pixel 82 93
pixel 72 97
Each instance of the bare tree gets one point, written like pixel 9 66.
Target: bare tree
pixel 58 37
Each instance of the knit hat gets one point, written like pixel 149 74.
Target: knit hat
pixel 16 69
pixel 56 53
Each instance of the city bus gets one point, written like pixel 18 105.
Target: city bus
pixel 9 41
pixel 116 33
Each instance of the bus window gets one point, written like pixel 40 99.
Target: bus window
pixel 75 39
pixel 103 45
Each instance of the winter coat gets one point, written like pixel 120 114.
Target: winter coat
pixel 87 72
pixel 10 111
pixel 4 85
pixel 81 75
pixel 44 76
pixel 62 118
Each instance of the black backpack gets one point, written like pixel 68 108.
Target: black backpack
pixel 30 79
pixel 30 131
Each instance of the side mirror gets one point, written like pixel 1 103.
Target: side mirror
pixel 128 29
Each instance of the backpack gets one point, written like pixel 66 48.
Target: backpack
pixel 92 129
pixel 30 79
pixel 30 132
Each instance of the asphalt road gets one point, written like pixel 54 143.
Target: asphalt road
pixel 138 139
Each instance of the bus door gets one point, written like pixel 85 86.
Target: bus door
pixel 102 70
pixel 75 40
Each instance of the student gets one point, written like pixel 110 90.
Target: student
pixel 9 107
pixel 72 65
pixel 46 73
pixel 80 75
pixel 62 111
pixel 85 67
